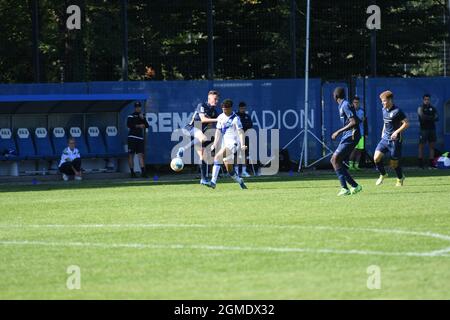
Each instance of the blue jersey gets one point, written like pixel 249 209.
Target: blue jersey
pixel 346 112
pixel 360 115
pixel 392 121
pixel 207 110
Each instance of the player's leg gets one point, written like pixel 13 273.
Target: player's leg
pixel 140 150
pixel 431 152
pixel 351 160
pixel 358 152
pixel 218 159
pixel 245 154
pixel 228 160
pixel 76 167
pixel 66 170
pixel 422 141
pixel 142 164
pixel 396 153
pixel 336 162
pixel 342 151
pixel 432 143
pixel 131 153
pixel 381 149
pixel 198 137
pixel 202 166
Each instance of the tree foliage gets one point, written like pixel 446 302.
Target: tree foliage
pixel 252 39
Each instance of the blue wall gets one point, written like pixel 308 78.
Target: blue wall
pixel 271 103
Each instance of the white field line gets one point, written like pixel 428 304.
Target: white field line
pixel 216 248
pixel 231 226
pixel 441 252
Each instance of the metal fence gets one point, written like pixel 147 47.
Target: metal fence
pixel 219 39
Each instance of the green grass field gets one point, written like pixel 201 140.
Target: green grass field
pixel 284 238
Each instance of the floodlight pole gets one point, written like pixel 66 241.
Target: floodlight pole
pixel 305 128
pixel 304 153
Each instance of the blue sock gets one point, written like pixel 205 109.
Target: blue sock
pixel 203 170
pixel 399 172
pixel 380 168
pixel 341 176
pixel 349 178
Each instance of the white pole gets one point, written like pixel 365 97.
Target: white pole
pixel 305 142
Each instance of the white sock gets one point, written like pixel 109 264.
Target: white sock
pixel 244 168
pixel 215 172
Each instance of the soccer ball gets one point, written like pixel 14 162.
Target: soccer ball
pixel 177 164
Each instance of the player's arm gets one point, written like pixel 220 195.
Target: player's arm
pixel 65 156
pixel 205 119
pixel 420 112
pixel 423 116
pixel 144 122
pixel 382 131
pixel 351 124
pixel 130 122
pixel 217 137
pixel 241 134
pixel 403 127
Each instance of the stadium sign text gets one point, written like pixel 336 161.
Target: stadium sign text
pixel 289 119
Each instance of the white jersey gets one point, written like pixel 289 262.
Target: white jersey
pixel 69 155
pixel 229 126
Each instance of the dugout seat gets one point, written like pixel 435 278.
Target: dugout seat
pixel 77 134
pixel 25 144
pixel 59 140
pixel 7 144
pixel 112 141
pixel 95 142
pixel 43 145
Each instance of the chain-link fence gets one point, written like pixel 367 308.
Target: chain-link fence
pixel 219 39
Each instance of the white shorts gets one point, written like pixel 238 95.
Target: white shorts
pixel 233 147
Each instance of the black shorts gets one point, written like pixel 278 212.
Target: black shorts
pixel 135 146
pixel 427 135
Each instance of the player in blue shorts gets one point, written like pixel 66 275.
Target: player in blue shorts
pixel 204 115
pixel 350 137
pixel 395 122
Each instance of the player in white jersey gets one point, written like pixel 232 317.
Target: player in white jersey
pixel 229 128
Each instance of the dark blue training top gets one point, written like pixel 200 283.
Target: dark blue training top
pixel 346 112
pixel 207 110
pixel 392 121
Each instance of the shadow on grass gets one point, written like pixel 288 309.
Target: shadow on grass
pixel 191 180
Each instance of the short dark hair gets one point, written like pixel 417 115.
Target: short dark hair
pixel 137 104
pixel 71 139
pixel 227 103
pixel 213 92
pixel 242 104
pixel 339 93
pixel 426 95
pixel 356 98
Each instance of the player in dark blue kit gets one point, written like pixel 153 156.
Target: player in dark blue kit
pixel 350 137
pixel 395 122
pixel 204 115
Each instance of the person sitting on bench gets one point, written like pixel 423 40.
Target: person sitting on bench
pixel 70 164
